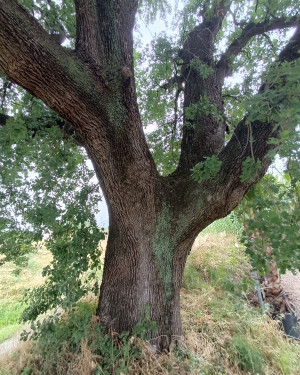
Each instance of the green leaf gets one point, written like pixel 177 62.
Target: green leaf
pixel 207 169
pixel 250 169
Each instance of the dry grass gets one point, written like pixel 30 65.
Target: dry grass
pixel 219 252
pixel 12 285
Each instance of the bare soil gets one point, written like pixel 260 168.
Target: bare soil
pixel 291 284
pixel 10 345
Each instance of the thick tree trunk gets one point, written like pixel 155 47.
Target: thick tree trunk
pixel 142 274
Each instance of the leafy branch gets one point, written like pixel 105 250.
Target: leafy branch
pixel 46 122
pixel 249 31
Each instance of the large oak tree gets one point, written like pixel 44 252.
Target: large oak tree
pixel 155 217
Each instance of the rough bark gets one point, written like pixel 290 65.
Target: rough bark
pixel 205 134
pixel 153 220
pixel 143 273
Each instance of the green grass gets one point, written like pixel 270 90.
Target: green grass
pixel 12 287
pixel 248 356
pixel 231 336
pixel 8 331
pixel 288 360
pixel 229 224
pixel 10 313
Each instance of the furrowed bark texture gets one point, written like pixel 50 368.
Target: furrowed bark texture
pixel 153 220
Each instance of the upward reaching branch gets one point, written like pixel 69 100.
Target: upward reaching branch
pixel 252 138
pixel 248 32
pixel 116 21
pixel 87 31
pixel 202 135
pixel 200 41
pixel 291 51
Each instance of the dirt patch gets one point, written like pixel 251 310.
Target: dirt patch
pixel 10 345
pixel 291 284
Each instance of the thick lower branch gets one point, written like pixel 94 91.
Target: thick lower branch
pixel 50 72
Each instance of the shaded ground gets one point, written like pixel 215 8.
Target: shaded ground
pixel 291 284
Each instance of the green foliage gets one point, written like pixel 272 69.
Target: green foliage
pixel 271 210
pixel 203 70
pixel 279 102
pixel 157 63
pixel 54 16
pixel 271 217
pixel 47 191
pixel 165 149
pixel 203 107
pixel 60 338
pixel 207 169
pixel 150 9
pixel 250 169
pixel 230 224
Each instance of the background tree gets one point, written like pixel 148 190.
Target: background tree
pixel 156 211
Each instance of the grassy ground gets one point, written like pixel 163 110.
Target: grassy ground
pixel 223 333
pixel 12 288
pixel 221 327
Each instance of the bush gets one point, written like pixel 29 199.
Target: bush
pixel 64 344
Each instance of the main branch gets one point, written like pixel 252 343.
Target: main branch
pixel 199 203
pixel 32 59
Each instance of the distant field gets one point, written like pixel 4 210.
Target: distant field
pixel 12 288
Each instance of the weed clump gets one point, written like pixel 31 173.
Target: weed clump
pixel 77 344
pixel 247 355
